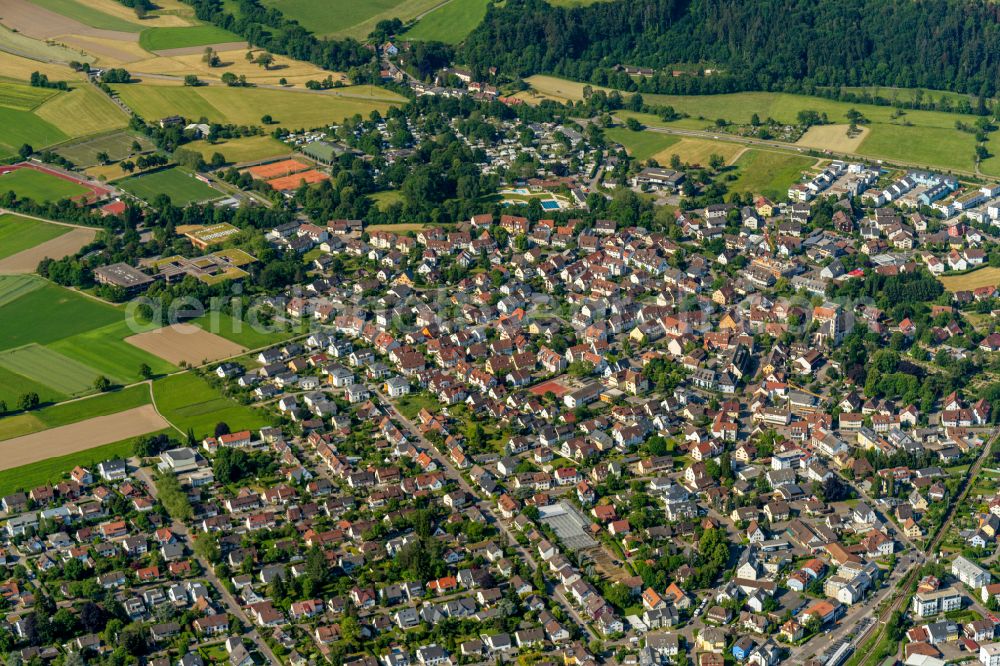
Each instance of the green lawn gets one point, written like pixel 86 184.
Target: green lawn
pixel 386 198
pixel 51 313
pixel 79 11
pixel 20 233
pixel 105 349
pixel 60 373
pixel 768 173
pixel 450 23
pixel 190 402
pixel 239 331
pixel 180 185
pixel 159 39
pixel 410 405
pixel 641 145
pixel 73 412
pixel 51 470
pixel 39 186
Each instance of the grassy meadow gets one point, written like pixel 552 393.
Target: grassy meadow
pixel 190 402
pixel 74 412
pixel 450 23
pixel 162 39
pixel 349 19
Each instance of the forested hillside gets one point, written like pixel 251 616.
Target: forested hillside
pixel 763 44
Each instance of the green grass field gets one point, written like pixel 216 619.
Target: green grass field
pixel 246 149
pixel 20 233
pixel 768 173
pixel 641 145
pixel 14 385
pixel 349 19
pixel 160 39
pixel 245 106
pixel 182 187
pixel 105 349
pixel 24 127
pixel 73 412
pixel 22 96
pixel 238 331
pixel 450 23
pixel 51 470
pixel 60 373
pixel 38 186
pixel 49 313
pixel 79 11
pixel 13 287
pixel 188 401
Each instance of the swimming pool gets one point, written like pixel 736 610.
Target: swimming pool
pixel 550 205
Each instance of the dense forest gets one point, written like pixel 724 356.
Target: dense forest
pixel 763 45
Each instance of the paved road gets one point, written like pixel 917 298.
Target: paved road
pixel 484 506
pixel 232 604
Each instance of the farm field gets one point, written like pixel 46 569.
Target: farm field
pixel 987 276
pixel 16 42
pixel 118 146
pixel 699 151
pixel 81 111
pixel 640 145
pixel 246 149
pixel 238 331
pixel 24 97
pixel 14 385
pixel 78 437
pixel 14 286
pixel 833 137
pixel 185 344
pixel 24 127
pixel 182 187
pixel 72 412
pixel 161 39
pixel 349 19
pixel 190 402
pixel 58 372
pixel 450 23
pixel 768 172
pixel 50 470
pixel 20 233
pixel 65 244
pixel 295 72
pixel 39 186
pixel 48 313
pixel 245 106
pixel 927 138
pixel 105 349
pixel 88 15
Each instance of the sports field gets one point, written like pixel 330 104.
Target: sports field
pixel 118 146
pixel 246 149
pixel 39 186
pixel 450 23
pixel 20 233
pixel 161 39
pixel 987 276
pixel 180 185
pixel 296 180
pixel 349 19
pixel 188 401
pixel 245 106
pixel 926 138
pixel 767 172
